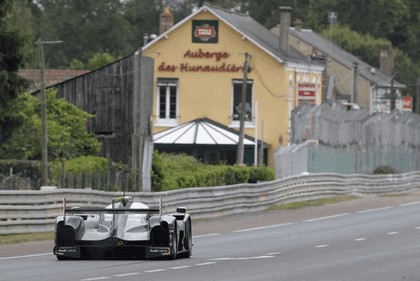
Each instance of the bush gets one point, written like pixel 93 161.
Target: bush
pixel 380 170
pixel 175 171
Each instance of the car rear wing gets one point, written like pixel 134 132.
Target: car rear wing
pixel 111 210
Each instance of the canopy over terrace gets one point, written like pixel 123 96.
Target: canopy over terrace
pixel 206 140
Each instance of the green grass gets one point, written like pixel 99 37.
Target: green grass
pixel 312 203
pixel 27 237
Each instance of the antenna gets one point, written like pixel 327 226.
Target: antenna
pixel 332 16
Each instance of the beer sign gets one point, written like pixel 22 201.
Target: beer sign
pixel 205 31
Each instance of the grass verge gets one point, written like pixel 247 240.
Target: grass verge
pixel 27 237
pixel 312 203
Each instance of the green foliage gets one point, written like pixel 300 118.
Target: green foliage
pixel 79 167
pixel 100 59
pixel 77 65
pixel 381 170
pixel 14 53
pixel 67 135
pixel 364 46
pixel 174 171
pixel 23 169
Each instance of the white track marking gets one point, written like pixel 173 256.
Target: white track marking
pixel 360 239
pixel 127 274
pixel 205 263
pixel 96 278
pixel 263 227
pixel 322 246
pixel 155 270
pixel 180 267
pixel 392 233
pixel 206 235
pixel 374 210
pixel 241 259
pixel 26 256
pixel 410 204
pixel 328 217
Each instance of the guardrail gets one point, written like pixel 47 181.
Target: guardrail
pixel 36 211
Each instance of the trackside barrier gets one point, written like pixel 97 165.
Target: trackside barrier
pixel 36 211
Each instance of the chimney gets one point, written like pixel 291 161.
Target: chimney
pixel 386 60
pixel 284 28
pixel 166 20
pixel 298 24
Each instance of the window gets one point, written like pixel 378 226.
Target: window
pixel 236 104
pixel 167 101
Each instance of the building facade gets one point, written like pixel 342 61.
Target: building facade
pixel 199 73
pixel 352 80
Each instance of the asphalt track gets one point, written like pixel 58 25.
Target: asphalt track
pixel 372 238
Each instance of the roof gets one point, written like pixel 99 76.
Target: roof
pixel 252 31
pixel 51 76
pixel 202 131
pixel 343 57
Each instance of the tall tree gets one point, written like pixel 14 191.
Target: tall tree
pixel 85 27
pixel 14 52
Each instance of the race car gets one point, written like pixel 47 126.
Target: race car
pixel 123 229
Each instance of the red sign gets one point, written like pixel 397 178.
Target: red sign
pixel 205 32
pixel 306 90
pixel 407 103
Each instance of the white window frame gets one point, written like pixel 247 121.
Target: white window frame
pixel 236 123
pixel 167 120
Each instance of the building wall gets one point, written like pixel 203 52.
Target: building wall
pixel 209 94
pixel 343 74
pixel 107 93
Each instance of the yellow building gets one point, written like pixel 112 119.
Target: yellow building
pixel 199 74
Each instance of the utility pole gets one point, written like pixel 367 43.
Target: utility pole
pixel 354 98
pixel 44 138
pixel 240 151
pixel 393 91
pixel 418 95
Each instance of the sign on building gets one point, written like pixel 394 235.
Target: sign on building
pixel 306 93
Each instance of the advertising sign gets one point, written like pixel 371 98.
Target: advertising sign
pixel 306 92
pixel 407 103
pixel 205 31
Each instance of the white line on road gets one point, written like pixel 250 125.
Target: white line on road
pixel 206 235
pixel 360 239
pixel 26 256
pixel 392 233
pixel 241 259
pixel 374 210
pixel 263 227
pixel 418 227
pixel 205 263
pixel 126 274
pixel 180 267
pixel 410 203
pixel 328 217
pixel 322 246
pixel 96 278
pixel 155 270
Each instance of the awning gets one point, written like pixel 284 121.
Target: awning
pixel 201 131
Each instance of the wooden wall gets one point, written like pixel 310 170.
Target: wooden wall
pixel 108 93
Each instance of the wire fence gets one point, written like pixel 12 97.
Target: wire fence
pixel 329 138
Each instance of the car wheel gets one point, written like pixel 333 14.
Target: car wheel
pixel 188 240
pixel 175 242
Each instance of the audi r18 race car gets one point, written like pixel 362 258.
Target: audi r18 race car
pixel 123 229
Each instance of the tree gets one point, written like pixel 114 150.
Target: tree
pixel 85 27
pixel 14 53
pixel 67 135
